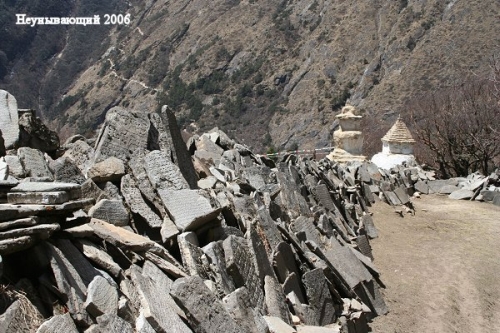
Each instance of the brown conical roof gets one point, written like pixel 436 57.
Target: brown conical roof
pixel 398 133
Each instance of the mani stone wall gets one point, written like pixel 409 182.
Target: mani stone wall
pixel 116 238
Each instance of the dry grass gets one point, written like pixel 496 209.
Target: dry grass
pixel 30 318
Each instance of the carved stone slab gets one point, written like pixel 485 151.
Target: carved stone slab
pixel 123 132
pixel 9 119
pixel 137 204
pixel 34 163
pixel 188 208
pixel 204 311
pixel 241 268
pixel 111 211
pixel 162 172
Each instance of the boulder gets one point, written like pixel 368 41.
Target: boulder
pixel 35 134
pixel 111 169
pixel 34 163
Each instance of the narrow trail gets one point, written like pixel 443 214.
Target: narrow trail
pixel 441 267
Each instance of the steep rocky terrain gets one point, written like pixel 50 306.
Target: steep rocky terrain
pixel 270 73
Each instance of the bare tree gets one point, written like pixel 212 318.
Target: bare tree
pixel 459 126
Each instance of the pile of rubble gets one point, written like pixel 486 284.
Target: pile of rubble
pixel 136 233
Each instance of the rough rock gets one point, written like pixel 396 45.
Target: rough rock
pixel 111 169
pixel 81 154
pixel 66 171
pixel 111 211
pixel 99 257
pixel 9 119
pixel 35 134
pixel 11 245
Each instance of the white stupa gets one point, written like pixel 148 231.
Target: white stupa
pixel 348 139
pixel 397 147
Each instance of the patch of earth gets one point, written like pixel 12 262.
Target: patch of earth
pixel 441 266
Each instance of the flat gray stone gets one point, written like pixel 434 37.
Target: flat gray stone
pixel 370 228
pixel 448 189
pixel 80 231
pixel 206 313
pixel 120 237
pixel 346 264
pixel 65 170
pixel 402 195
pixel 277 325
pixel 111 169
pixel 102 297
pixel 318 329
pixel 461 194
pixel 191 254
pixel 15 167
pixel 43 231
pixel 496 199
pixel 98 256
pixel 111 191
pixel 188 208
pixel 58 323
pixel 34 163
pixel 111 211
pixel 275 299
pixel 20 223
pixel 155 303
pixel 163 173
pixel 69 283
pixel 238 305
pixel 241 268
pixel 46 187
pixel 137 205
pixel 11 212
pixel 4 169
pixel 319 297
pixel 136 164
pixel 422 187
pixel 90 189
pixel 214 252
pixel 392 198
pixel 122 133
pixel 168 229
pixel 178 150
pixel 12 245
pixel 207 183
pixel 168 266
pixel 9 119
pixel 111 323
pixel 44 198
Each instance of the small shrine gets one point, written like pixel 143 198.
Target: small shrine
pixel 348 140
pixel 397 147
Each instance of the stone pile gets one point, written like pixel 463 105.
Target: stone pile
pixel 139 234
pixel 397 185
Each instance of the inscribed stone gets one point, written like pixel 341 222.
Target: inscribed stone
pixel 9 119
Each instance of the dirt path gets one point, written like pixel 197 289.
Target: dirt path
pixel 441 267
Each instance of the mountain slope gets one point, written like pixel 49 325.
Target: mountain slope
pixel 271 73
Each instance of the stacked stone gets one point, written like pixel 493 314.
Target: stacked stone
pixel 36 210
pixel 229 241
